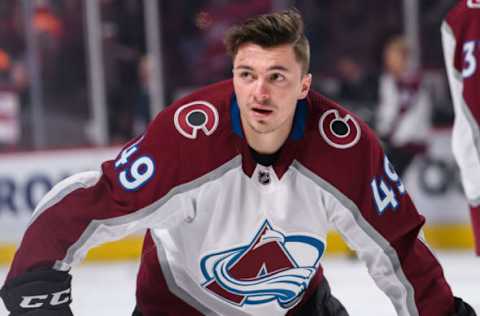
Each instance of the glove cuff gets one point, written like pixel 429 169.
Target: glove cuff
pixel 41 292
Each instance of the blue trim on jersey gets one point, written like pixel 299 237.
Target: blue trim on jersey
pixel 299 121
pixel 235 117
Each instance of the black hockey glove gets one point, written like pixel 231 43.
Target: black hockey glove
pixel 322 303
pixel 38 293
pixel 463 309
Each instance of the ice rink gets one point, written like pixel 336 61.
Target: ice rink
pixel 108 289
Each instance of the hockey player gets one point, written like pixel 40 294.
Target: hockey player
pixel 403 118
pixel 237 184
pixel 461 47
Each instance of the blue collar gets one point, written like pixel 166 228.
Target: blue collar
pixel 299 121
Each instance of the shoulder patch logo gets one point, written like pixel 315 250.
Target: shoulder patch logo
pixel 273 267
pixel 339 132
pixel 473 4
pixel 196 116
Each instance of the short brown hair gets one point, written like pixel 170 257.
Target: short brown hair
pixel 269 30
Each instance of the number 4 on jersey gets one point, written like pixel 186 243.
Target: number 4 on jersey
pixel 136 172
pixel 383 194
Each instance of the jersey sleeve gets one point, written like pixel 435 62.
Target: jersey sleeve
pixel 130 193
pixel 377 218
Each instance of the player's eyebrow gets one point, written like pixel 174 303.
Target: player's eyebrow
pixel 243 67
pixel 274 67
pixel 278 67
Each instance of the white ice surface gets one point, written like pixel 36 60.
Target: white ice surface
pixel 109 289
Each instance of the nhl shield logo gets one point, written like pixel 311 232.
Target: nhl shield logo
pixel 264 177
pixel 272 267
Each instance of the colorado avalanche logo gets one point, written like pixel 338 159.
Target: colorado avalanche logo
pixel 273 267
pixel 474 3
pixel 195 116
pixel 339 132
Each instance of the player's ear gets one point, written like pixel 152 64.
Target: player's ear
pixel 306 83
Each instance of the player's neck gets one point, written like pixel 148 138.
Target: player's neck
pixel 267 143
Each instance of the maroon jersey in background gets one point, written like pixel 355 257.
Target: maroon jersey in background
pixel 461 45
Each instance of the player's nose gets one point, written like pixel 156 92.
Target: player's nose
pixel 261 90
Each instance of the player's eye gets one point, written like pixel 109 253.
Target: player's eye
pixel 246 75
pixel 277 77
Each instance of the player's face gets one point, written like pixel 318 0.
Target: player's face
pixel 268 83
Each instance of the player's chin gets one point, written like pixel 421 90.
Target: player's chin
pixel 261 127
pixel 260 120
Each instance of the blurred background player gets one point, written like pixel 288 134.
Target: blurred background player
pixel 405 109
pixel 461 46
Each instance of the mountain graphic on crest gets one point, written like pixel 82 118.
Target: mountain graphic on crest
pixel 265 256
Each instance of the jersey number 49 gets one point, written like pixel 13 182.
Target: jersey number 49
pixel 383 188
